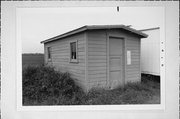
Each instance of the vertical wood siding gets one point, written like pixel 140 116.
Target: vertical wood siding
pixel 61 54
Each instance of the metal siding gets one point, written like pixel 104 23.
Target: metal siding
pixel 150 52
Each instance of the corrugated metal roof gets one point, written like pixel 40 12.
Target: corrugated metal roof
pixel 96 27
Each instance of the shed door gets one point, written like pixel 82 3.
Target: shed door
pixel 116 62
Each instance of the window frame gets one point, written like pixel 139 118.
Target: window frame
pixel 49 53
pixel 70 59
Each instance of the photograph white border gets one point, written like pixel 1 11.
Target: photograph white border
pixel 87 107
pixel 18 74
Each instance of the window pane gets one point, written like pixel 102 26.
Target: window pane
pixel 73 47
pixel 49 53
pixel 73 50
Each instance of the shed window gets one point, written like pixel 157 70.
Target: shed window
pixel 73 51
pixel 49 53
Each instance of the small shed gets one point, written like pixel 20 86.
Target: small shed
pixel 105 56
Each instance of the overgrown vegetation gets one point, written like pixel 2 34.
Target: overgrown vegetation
pixel 45 86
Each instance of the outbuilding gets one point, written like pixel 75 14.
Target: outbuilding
pixel 101 56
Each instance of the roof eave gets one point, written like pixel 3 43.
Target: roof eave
pixel 141 34
pixel 81 29
pixel 84 28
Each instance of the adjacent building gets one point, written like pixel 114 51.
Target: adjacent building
pixel 150 52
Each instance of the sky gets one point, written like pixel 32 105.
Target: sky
pixel 38 24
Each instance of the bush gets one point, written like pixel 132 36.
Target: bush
pixel 40 83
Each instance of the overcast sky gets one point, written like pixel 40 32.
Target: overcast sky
pixel 38 24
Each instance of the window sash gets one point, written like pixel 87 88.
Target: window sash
pixel 73 51
pixel 49 52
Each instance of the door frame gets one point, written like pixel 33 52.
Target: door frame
pixel 108 58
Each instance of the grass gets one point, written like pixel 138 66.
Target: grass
pixel 45 86
pixel 132 93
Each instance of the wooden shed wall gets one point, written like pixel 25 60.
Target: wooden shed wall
pixel 61 54
pixel 133 71
pixel 98 57
pixel 92 68
pixel 132 43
